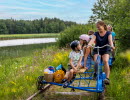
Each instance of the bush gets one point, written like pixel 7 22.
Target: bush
pixel 72 33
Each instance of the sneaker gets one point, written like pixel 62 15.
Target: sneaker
pixel 74 76
pixel 107 81
pixel 64 80
pixel 71 81
pixel 66 84
pixel 94 76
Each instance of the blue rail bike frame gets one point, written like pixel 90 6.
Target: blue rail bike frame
pixel 99 87
pixel 100 74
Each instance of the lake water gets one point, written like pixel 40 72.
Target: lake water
pixel 15 42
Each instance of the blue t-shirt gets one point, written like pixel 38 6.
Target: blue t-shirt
pixel 101 41
pixel 113 35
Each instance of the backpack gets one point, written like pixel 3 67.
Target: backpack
pixel 58 76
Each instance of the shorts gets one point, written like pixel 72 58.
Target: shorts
pixel 102 52
pixel 69 67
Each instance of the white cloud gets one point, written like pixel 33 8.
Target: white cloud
pixel 18 8
pixel 52 5
pixel 70 10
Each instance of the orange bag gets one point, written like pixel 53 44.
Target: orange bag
pixel 58 76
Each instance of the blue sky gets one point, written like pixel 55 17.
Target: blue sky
pixel 68 10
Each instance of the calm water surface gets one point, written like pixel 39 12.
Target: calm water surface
pixel 15 42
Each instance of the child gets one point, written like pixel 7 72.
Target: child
pixel 90 33
pixel 86 61
pixel 109 28
pixel 75 62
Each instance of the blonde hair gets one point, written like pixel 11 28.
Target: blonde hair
pixel 111 27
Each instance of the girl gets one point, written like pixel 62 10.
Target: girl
pixel 86 60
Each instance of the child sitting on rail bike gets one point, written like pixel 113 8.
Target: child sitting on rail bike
pixel 75 62
pixel 87 58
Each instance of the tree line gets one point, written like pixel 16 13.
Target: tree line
pixel 116 13
pixel 46 25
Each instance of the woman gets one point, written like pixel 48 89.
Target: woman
pixel 103 37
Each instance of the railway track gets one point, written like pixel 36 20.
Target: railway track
pixel 39 91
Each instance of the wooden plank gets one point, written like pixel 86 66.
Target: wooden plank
pixel 81 70
pixel 74 93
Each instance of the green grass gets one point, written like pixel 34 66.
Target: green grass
pixel 19 68
pixel 119 88
pixel 22 50
pixel 120 84
pixel 21 65
pixel 23 36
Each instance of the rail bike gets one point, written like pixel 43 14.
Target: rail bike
pixel 91 84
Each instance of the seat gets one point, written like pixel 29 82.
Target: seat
pixel 81 70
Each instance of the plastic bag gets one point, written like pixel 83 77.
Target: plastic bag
pixel 49 70
pixel 60 67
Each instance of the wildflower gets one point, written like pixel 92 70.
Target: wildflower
pixel 124 72
pixel 21 88
pixel 26 77
pixel 13 83
pixel 119 87
pixel 126 55
pixel 60 57
pixel 13 90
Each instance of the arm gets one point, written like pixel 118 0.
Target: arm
pixel 110 41
pixel 87 52
pixel 70 61
pixel 79 62
pixel 92 40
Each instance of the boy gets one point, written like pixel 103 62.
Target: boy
pixel 75 62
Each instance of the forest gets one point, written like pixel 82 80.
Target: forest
pixel 46 25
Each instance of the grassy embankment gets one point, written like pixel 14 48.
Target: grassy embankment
pixel 21 65
pixel 24 36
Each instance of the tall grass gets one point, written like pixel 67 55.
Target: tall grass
pixel 119 88
pixel 21 66
pixel 23 36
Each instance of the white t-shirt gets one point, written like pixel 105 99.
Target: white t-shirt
pixel 75 56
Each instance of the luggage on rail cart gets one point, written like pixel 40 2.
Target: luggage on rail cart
pixel 58 76
pixel 48 74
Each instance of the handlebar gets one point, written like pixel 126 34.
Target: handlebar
pixel 99 47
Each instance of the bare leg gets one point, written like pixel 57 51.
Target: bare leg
pixel 67 75
pixel 71 74
pixel 105 58
pixel 95 58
